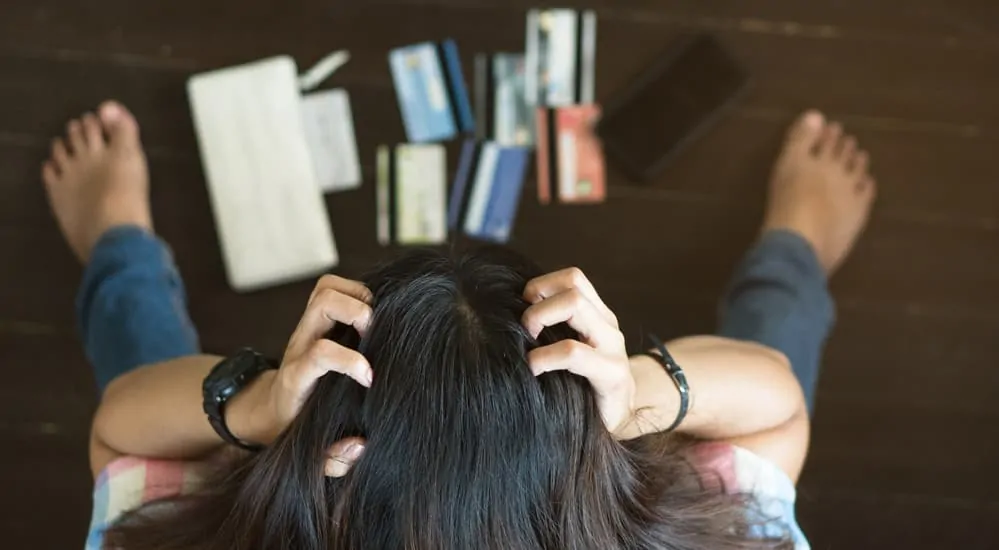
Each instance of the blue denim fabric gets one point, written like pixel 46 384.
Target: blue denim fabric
pixel 131 307
pixel 779 297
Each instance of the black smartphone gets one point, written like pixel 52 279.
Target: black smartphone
pixel 669 105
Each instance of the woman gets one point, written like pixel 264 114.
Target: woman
pixel 466 402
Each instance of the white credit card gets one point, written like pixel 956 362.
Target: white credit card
pixel 482 187
pixel 560 57
pixel 329 130
pixel 421 194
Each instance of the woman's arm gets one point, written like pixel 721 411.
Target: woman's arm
pixel 741 392
pixel 156 411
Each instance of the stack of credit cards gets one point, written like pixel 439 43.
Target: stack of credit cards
pixel 434 102
pixel 486 190
pixel 431 89
pixel 560 81
pixel 543 96
pixel 411 194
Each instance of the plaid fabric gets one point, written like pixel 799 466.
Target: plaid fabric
pixel 129 482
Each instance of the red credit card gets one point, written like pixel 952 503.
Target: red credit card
pixel 570 156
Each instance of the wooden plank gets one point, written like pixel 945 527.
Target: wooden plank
pixel 901 397
pixel 135 29
pixel 48 387
pixel 914 82
pixel 43 95
pixel 48 481
pixel 873 521
pixel 964 24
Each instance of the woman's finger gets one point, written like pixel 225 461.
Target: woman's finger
pixel 346 286
pixel 549 285
pixel 342 455
pixel 325 356
pixel 327 307
pixel 574 308
pixel 604 374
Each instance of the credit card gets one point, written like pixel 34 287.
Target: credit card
pixel 560 60
pixel 570 156
pixel 503 114
pixel 487 189
pixel 411 194
pixel 329 130
pixel 433 97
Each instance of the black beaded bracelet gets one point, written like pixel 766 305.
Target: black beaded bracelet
pixel 676 373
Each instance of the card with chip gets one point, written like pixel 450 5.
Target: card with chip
pixel 411 191
pixel 570 156
pixel 487 188
pixel 560 60
pixel 432 94
pixel 502 113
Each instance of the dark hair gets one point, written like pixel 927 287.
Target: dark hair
pixel 465 447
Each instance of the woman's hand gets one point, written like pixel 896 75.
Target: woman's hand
pixel 567 296
pixel 130 420
pixel 310 356
pixel 279 396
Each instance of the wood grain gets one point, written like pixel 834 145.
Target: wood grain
pixel 903 448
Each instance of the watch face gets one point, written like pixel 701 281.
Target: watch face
pixel 232 374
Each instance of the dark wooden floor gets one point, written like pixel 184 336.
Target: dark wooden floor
pixel 905 448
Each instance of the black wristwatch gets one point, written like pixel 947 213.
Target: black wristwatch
pixel 230 376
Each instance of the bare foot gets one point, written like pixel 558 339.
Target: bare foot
pixel 96 178
pixel 821 188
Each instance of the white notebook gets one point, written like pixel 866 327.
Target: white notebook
pixel 269 209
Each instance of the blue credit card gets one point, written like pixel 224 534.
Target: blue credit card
pixel 432 93
pixel 487 189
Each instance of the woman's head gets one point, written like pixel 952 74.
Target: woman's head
pixel 466 448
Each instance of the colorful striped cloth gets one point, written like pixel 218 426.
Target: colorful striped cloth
pixel 129 482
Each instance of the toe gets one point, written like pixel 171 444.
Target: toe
pixel 867 187
pixel 92 132
pixel 60 156
pixel 829 141
pixel 847 150
pixel 49 173
pixel 805 131
pixel 121 126
pixel 859 165
pixel 74 134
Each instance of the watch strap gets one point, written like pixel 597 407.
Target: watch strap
pixel 222 429
pixel 676 374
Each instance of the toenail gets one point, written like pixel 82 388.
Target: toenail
pixel 110 110
pixel 813 119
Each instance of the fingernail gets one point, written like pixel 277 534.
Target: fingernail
pixel 338 469
pixel 353 452
pixel 370 377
